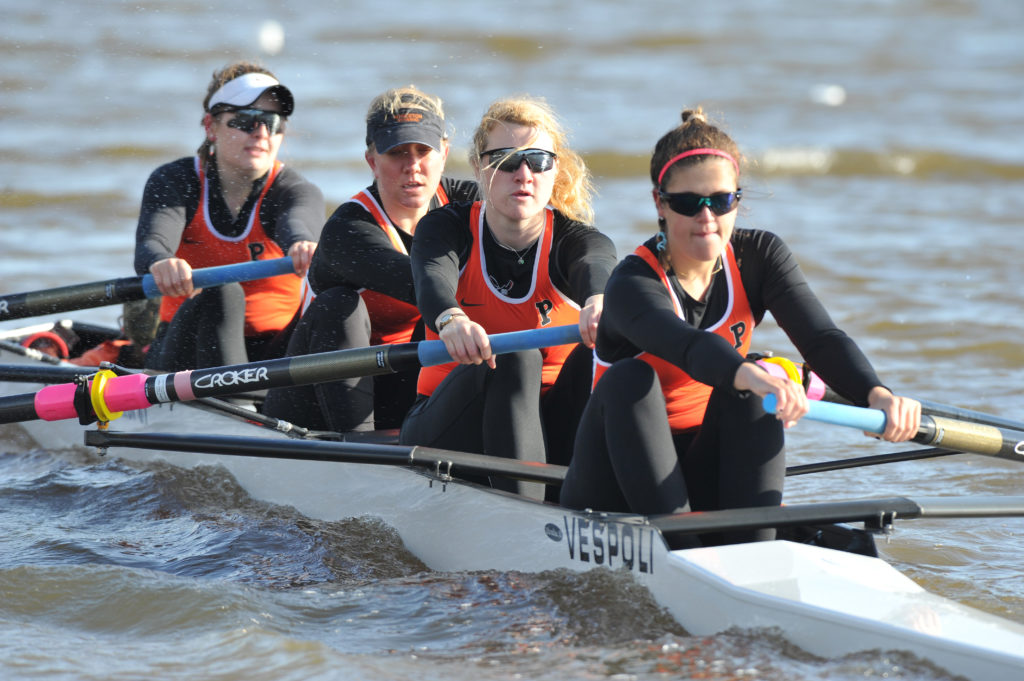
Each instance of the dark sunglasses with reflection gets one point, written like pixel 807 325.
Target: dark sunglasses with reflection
pixel 509 159
pixel 689 204
pixel 246 120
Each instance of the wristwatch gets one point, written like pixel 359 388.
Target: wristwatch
pixel 447 318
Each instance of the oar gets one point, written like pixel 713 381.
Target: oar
pixel 110 396
pixel 934 430
pixel 444 461
pixel 31 353
pixel 112 291
pixel 857 462
pixel 952 412
pixel 875 513
pixel 34 373
pixel 819 390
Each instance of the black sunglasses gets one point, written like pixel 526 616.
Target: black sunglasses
pixel 246 120
pixel 689 204
pixel 510 159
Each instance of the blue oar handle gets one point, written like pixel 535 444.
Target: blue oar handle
pixel 433 351
pixel 226 274
pixel 869 420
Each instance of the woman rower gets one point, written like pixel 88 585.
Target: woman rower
pixel 232 202
pixel 509 263
pixel 361 275
pixel 671 425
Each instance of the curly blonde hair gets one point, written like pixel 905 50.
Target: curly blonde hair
pixel 573 188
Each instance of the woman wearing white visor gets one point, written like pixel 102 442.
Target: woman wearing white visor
pixel 231 202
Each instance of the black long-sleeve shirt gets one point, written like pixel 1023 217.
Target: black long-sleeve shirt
pixel 293 210
pixel 580 263
pixel 355 252
pixel 638 316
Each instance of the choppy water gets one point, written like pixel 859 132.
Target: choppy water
pixel 885 147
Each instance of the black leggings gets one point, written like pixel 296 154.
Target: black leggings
pixel 501 412
pixel 626 458
pixel 209 331
pixel 337 319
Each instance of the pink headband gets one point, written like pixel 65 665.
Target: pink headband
pixel 697 152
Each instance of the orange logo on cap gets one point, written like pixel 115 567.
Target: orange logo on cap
pixel 409 118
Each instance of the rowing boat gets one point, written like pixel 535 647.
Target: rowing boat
pixel 826 601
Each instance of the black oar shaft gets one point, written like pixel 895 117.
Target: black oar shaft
pixel 960 414
pixel 99 293
pixel 286 371
pixel 34 373
pixel 65 298
pixel 18 408
pixel 440 460
pixel 876 513
pixel 787 516
pixel 127 393
pixel 31 353
pixel 857 462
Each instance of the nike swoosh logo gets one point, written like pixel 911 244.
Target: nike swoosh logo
pixel 463 303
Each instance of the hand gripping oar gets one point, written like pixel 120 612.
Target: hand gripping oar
pixel 107 395
pixel 816 389
pixel 113 291
pixel 976 438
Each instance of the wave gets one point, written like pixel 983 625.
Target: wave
pixel 815 161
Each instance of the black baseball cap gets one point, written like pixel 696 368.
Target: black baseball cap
pixel 408 125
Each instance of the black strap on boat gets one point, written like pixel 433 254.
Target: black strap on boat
pixel 83 402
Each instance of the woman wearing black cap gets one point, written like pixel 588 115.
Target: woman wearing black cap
pixel 361 275
pixel 232 202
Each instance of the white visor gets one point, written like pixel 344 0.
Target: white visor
pixel 247 88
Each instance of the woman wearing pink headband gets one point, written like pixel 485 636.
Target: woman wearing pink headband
pixel 671 425
pixel 231 202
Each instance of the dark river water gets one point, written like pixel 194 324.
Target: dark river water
pixel 884 145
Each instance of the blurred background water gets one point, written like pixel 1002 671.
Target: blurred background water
pixel 883 142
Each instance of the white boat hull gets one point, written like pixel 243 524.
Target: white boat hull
pixel 827 602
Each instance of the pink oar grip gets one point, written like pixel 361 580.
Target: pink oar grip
pixel 123 393
pixel 815 389
pixel 56 402
pixel 126 393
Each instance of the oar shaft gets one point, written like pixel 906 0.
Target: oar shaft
pixel 227 274
pixel 440 460
pixel 895 457
pixel 434 352
pixel 33 373
pixel 138 391
pixel 938 409
pixel 971 437
pixel 327 366
pixel 31 353
pixel 124 289
pixel 934 430
pixel 960 414
pixel 65 298
pixel 873 512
